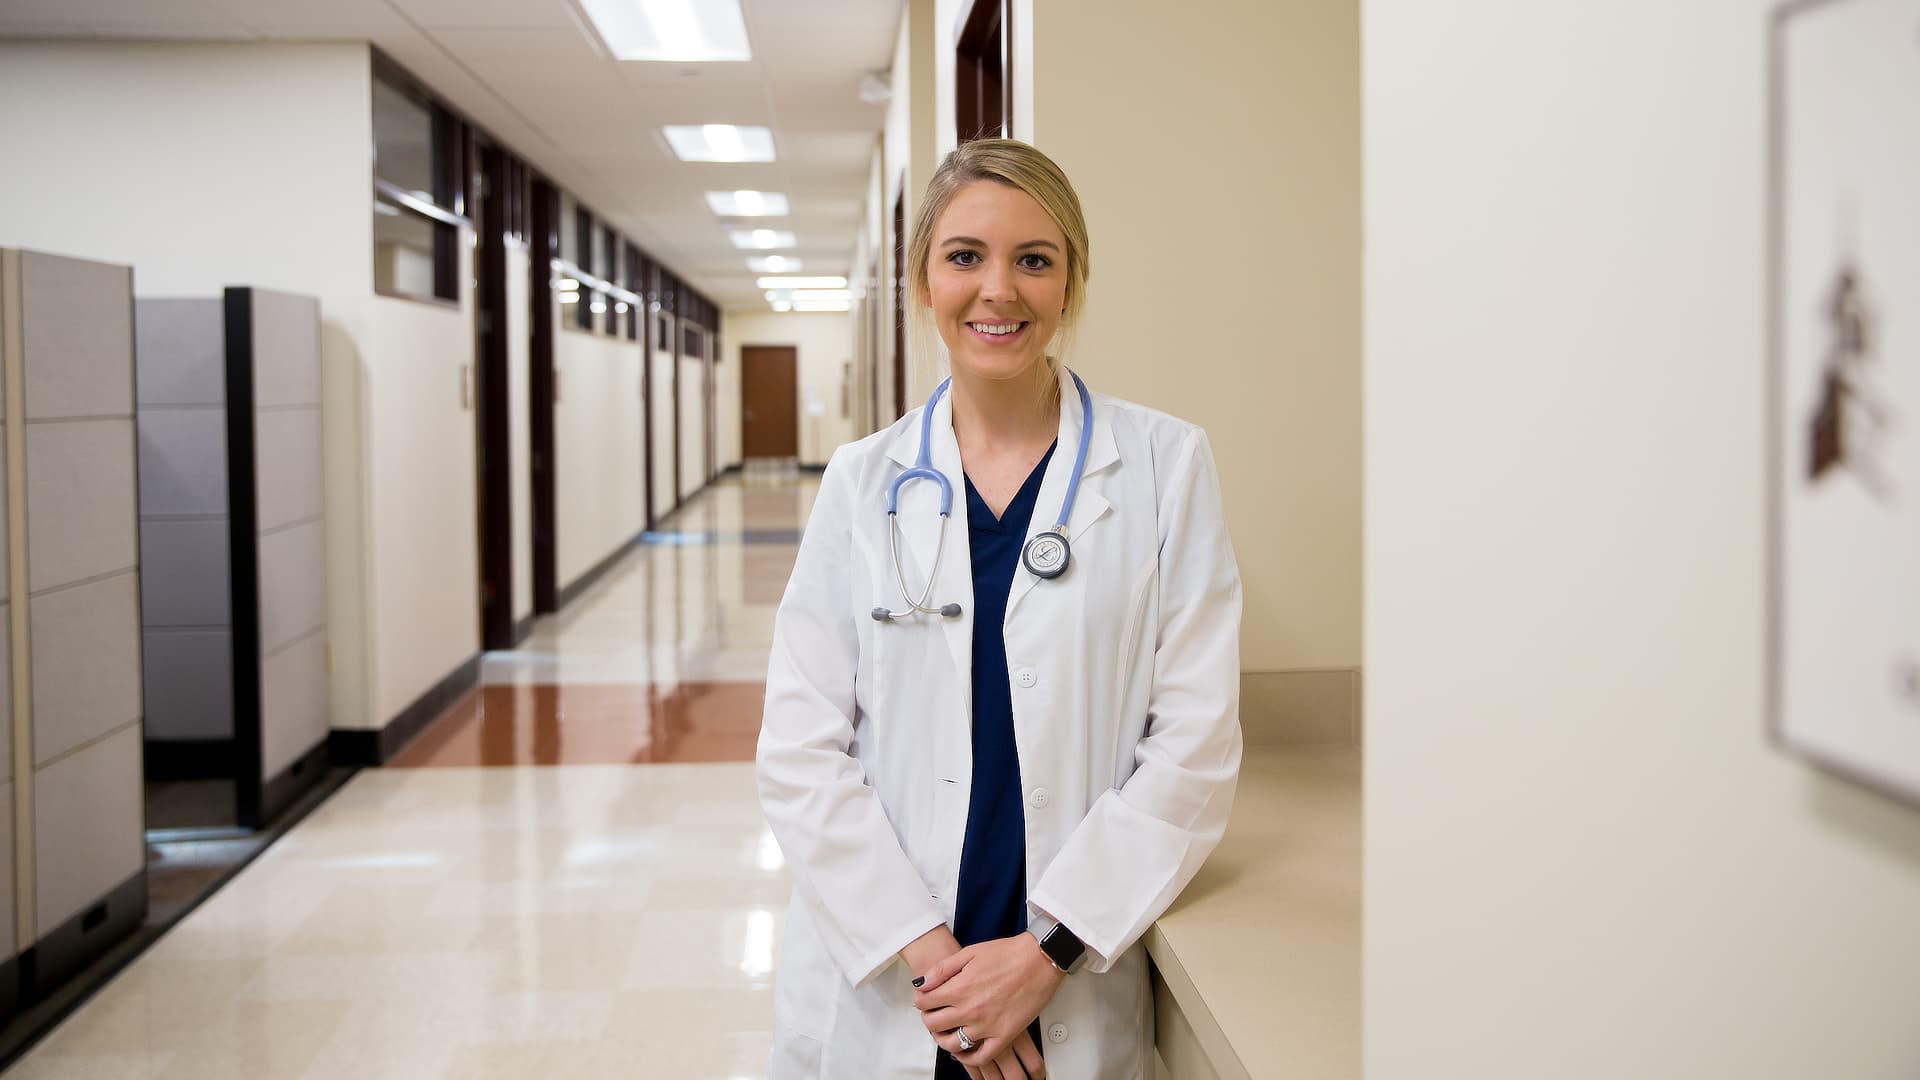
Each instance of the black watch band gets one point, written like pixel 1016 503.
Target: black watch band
pixel 1062 947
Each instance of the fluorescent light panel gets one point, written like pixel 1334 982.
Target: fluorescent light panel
pixel 719 142
pixel 747 203
pixel 762 239
pixel 773 264
pixel 676 31
pixel 800 283
pixel 822 305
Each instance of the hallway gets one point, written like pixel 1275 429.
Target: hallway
pixel 565 875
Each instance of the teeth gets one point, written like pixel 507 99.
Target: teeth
pixel 997 331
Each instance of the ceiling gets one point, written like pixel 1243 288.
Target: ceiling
pixel 534 74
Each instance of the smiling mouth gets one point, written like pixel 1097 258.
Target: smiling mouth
pixel 997 329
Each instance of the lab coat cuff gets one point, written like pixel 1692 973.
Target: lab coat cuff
pixel 889 948
pixel 1100 952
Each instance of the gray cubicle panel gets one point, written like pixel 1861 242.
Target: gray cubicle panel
pixel 186 600
pixel 79 877
pixel 234 544
pixel 273 363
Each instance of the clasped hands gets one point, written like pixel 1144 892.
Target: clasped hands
pixel 993 990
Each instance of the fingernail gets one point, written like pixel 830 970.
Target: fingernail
pixel 917 981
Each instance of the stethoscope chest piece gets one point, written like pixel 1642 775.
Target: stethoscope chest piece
pixel 1046 555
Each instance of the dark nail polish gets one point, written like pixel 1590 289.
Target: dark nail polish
pixel 918 980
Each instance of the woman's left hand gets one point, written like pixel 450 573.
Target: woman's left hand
pixel 993 989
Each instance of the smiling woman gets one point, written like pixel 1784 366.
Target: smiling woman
pixel 918 765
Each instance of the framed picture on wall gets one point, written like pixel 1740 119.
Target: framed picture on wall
pixel 1844 388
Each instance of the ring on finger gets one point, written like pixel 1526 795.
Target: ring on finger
pixel 966 1044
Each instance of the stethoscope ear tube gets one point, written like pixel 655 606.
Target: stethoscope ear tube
pixel 883 614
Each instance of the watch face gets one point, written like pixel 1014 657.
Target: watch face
pixel 1062 947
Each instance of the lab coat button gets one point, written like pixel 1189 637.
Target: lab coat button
pixel 1039 798
pixel 1027 677
pixel 1057 1033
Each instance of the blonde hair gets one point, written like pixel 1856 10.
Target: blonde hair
pixel 1018 165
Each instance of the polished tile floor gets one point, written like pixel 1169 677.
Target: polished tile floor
pixel 570 878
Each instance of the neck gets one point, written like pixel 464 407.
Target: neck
pixel 1001 412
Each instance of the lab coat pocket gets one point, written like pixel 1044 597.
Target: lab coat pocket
pixel 805 995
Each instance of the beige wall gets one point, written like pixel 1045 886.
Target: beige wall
pixel 1583 857
pixel 825 343
pixel 599 449
pixel 1217 157
pixel 174 158
pixel 423 548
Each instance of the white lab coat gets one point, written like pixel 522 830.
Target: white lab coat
pixel 1125 677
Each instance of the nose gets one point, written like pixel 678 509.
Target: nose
pixel 997 285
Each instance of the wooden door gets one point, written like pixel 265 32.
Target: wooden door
pixel 770 401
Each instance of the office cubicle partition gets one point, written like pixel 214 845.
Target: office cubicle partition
pixel 71 816
pixel 230 479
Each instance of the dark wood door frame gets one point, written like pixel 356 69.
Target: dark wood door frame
pixel 545 217
pixel 900 301
pixel 983 58
pixel 679 496
pixel 649 337
pixel 492 431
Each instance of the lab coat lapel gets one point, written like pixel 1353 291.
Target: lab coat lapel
pixel 920 532
pixel 1089 505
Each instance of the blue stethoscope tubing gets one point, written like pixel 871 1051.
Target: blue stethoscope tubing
pixel 1046 555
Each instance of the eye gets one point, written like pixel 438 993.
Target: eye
pixel 1033 260
pixel 963 257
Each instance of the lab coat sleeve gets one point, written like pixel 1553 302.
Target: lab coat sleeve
pixel 1141 843
pixel 865 898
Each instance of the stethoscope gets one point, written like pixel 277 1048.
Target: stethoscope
pixel 1044 556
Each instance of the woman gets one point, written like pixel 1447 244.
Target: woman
pixel 989 786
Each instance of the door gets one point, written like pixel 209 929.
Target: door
pixel 545 214
pixel 770 401
pixel 491 434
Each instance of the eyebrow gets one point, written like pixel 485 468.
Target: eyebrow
pixel 951 240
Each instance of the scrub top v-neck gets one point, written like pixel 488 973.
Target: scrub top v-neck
pixel 993 858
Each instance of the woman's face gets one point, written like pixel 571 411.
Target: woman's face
pixel 997 278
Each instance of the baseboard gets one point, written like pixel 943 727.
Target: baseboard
pixel 290 783
pixel 190 759
pixel 814 469
pixel 599 570
pixel 377 746
pixel 522 630
pixel 80 940
pixel 731 470
pixel 1318 705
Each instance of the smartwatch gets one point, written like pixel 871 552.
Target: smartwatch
pixel 1062 947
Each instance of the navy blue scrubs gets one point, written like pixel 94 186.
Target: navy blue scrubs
pixel 993 859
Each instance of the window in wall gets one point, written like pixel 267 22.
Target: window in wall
pixel 607 264
pixel 635 281
pixel 665 342
pixel 419 197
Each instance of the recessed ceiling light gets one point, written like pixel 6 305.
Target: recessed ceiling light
pixel 822 305
pixel 680 31
pixel 719 142
pixel 748 203
pixel 773 264
pixel 800 282
pixel 763 239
